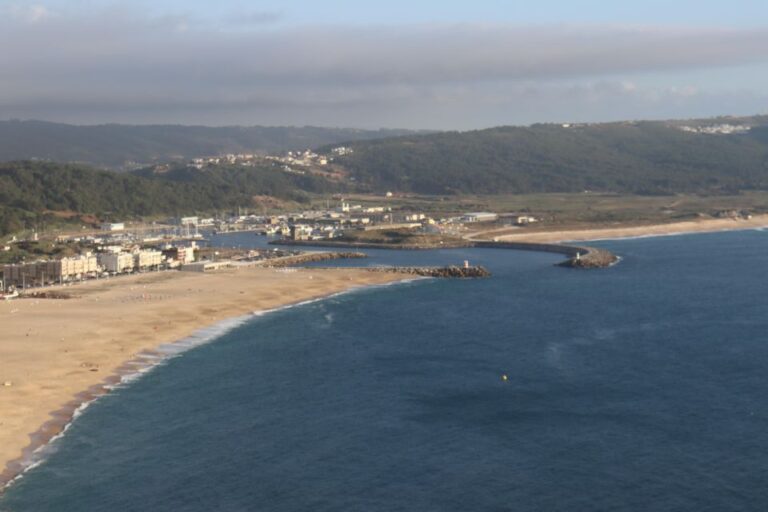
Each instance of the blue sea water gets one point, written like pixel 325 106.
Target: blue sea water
pixel 639 387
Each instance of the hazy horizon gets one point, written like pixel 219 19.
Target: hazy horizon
pixel 431 66
pixel 379 128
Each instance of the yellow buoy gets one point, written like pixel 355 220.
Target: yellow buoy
pixel 504 377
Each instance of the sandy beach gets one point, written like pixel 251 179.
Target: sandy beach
pixel 57 353
pixel 606 232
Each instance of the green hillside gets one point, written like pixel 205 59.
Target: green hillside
pixel 114 145
pixel 638 158
pixel 34 192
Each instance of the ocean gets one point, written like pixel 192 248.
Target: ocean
pixel 634 388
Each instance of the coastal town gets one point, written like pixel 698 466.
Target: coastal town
pixel 306 161
pixel 119 248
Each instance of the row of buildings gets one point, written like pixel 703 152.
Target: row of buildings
pixel 37 273
pixel 113 260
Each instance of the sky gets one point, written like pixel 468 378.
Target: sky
pixel 421 64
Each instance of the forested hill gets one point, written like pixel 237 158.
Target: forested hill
pixel 114 145
pixel 631 157
pixel 35 192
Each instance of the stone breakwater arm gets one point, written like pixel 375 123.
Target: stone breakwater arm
pixel 310 257
pixel 578 256
pixel 446 272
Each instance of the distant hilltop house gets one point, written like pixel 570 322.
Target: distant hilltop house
pixel 718 129
pixel 341 151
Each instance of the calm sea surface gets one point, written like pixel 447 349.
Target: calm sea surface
pixel 640 387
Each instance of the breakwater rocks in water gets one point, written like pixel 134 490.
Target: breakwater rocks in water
pixel 310 257
pixel 578 256
pixel 591 258
pixel 444 272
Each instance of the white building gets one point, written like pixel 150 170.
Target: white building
pixel 113 226
pixel 147 259
pixel 522 220
pixel 116 262
pixel 189 221
pixel 300 232
pixel 78 266
pixel 186 254
pixel 480 217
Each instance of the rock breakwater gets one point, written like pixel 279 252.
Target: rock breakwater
pixel 578 256
pixel 311 257
pixel 451 271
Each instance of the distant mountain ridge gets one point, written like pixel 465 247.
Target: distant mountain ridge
pixel 116 145
pixel 712 156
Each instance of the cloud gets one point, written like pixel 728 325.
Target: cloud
pixel 25 13
pixel 120 63
pixel 254 18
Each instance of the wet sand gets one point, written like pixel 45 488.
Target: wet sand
pixel 56 354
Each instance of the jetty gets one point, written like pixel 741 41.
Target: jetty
pixel 582 257
pixel 310 257
pixel 577 256
pixel 451 271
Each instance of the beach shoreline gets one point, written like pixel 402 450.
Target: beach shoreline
pixel 47 392
pixel 620 232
